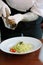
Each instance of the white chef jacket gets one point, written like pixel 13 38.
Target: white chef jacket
pixel 23 5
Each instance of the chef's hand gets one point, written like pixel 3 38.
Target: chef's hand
pixel 4 9
pixel 16 18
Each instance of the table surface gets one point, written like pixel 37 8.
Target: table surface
pixel 27 59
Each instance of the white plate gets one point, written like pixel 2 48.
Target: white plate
pixel 5 45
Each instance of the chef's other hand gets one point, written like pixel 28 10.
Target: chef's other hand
pixel 4 9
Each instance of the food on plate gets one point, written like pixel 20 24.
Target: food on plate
pixel 21 47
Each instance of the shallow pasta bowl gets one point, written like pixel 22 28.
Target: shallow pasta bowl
pixel 6 44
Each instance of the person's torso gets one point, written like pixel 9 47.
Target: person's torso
pixel 14 10
pixel 21 5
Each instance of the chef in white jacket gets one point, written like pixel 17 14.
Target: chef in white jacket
pixel 29 14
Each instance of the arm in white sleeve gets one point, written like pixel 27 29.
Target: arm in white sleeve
pixel 38 7
pixel 30 16
pixel 4 8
